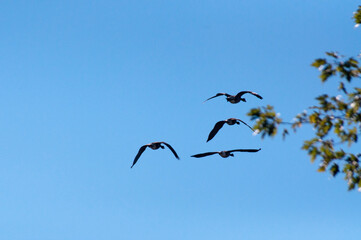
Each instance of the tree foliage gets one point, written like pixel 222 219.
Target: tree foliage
pixel 357 16
pixel 336 120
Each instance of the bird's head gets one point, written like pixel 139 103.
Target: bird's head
pixel 243 99
pixel 231 154
pixel 161 146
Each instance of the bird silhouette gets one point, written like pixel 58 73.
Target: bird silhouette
pixel 219 125
pixel 225 154
pixel 235 98
pixel 154 146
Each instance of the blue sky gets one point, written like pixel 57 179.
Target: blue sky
pixel 84 84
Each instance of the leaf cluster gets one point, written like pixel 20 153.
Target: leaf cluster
pixel 336 120
pixel 346 68
pixel 357 16
pixel 266 120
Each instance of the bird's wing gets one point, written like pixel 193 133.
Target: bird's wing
pixel 215 129
pixel 170 147
pixel 203 154
pixel 245 124
pixel 244 150
pixel 141 150
pixel 217 95
pixel 253 93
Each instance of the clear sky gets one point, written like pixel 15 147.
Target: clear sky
pixel 84 84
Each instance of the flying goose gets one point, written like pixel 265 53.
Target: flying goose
pixel 219 125
pixel 235 98
pixel 224 154
pixel 154 146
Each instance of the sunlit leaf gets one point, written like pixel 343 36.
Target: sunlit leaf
pixel 319 62
pixel 321 169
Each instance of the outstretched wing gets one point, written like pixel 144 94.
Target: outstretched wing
pixel 203 154
pixel 253 93
pixel 217 95
pixel 141 150
pixel 170 147
pixel 215 129
pixel 245 124
pixel 245 150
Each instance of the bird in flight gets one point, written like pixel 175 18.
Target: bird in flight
pixel 235 98
pixel 154 146
pixel 219 125
pixel 224 154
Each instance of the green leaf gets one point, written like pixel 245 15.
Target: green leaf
pixel 334 169
pixel 319 62
pixel 342 87
pixel 333 54
pixel 357 16
pixel 321 169
pixel 353 62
